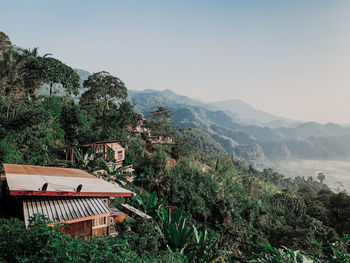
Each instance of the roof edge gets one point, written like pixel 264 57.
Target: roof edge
pixel 73 194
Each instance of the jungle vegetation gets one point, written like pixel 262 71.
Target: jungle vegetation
pixel 206 206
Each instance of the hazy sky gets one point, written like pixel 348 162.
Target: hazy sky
pixel 290 58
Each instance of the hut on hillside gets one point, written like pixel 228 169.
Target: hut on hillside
pixel 110 150
pixel 161 139
pixel 64 195
pixel 154 138
pixel 141 128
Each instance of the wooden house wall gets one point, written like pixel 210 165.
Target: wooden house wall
pixel 82 227
pixel 102 231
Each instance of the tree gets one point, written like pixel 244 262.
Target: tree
pixel 160 120
pixel 51 71
pixel 5 42
pixel 321 177
pixel 102 86
pixel 126 115
pixel 12 76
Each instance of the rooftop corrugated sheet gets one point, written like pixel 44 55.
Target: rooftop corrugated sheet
pixel 136 211
pixel 59 209
pixel 29 180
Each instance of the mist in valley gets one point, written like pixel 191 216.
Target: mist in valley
pixel 337 172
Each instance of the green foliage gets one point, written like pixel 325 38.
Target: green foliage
pixel 201 141
pixel 150 167
pixel 41 243
pixel 151 206
pixel 242 210
pixel 160 121
pixel 113 173
pixel 5 42
pixel 8 153
pixel 104 87
pixel 51 71
pixel 77 124
pixel 283 255
pixel 205 247
pixel 144 237
pixel 176 231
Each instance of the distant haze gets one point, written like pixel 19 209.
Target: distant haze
pixel 337 172
pixel 288 58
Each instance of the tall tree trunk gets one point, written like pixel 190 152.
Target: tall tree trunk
pixel 107 104
pixel 51 85
pixel 7 111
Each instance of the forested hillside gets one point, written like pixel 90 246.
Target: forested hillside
pixel 293 141
pixel 259 143
pixel 206 206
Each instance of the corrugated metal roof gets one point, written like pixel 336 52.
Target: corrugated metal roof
pixel 116 212
pixel 136 211
pixel 23 180
pixel 44 170
pixel 59 209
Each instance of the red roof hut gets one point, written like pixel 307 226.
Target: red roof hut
pixel 64 195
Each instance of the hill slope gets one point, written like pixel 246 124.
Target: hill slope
pixel 254 143
pixel 250 134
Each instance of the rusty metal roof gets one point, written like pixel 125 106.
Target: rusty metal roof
pixel 95 143
pixel 29 180
pixel 67 209
pixel 44 170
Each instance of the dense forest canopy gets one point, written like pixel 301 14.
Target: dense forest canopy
pixel 206 206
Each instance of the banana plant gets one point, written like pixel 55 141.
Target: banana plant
pixel 205 247
pixel 87 161
pixel 177 233
pixel 115 173
pixel 152 206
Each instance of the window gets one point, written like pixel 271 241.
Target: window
pixel 99 222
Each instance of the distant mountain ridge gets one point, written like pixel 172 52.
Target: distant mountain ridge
pixel 255 136
pixel 246 111
pixel 254 143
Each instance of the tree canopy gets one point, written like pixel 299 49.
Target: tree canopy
pixel 5 42
pixel 52 70
pixel 160 120
pixel 104 87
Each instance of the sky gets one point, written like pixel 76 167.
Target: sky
pixel 290 58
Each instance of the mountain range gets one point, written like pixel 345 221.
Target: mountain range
pixel 256 143
pixel 241 130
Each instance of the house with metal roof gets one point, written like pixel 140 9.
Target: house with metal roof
pixel 64 195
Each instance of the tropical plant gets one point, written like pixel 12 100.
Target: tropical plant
pixel 282 255
pixel 205 248
pixel 88 161
pixel 176 231
pixel 115 173
pixel 152 206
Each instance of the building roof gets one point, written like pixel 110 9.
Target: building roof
pixel 95 143
pixel 29 180
pixel 135 211
pixel 65 209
